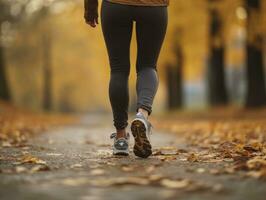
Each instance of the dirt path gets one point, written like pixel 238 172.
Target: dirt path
pixel 75 163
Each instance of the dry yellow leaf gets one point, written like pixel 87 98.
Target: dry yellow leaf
pixel 175 184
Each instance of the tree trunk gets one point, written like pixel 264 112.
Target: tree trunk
pixel 174 86
pixel 217 94
pixel 171 87
pixel 256 91
pixel 4 91
pixel 179 76
pixel 47 72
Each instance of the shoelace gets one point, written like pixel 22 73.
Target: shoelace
pixel 113 135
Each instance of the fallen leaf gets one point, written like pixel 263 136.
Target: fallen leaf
pixel 20 169
pixel 155 177
pixel 166 158
pixel 54 154
pixel 167 151
pixel 97 172
pixel 74 181
pixel 215 171
pixel 39 168
pixel 150 169
pixel 257 174
pixel 50 141
pixel 256 163
pixel 253 147
pixel 89 142
pixel 31 159
pixel 175 184
pixel 182 151
pixel 200 170
pixel 119 181
pixel 127 168
pixel 6 144
pixel 217 188
pixel 132 181
pixel 193 158
pixel 76 166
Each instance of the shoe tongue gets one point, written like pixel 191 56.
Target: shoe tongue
pixel 139 114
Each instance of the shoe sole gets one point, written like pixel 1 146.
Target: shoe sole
pixel 117 152
pixel 142 147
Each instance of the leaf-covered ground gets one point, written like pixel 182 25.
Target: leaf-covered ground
pixel 234 138
pixel 17 125
pixel 209 155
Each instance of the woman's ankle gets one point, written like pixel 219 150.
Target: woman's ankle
pixel 120 133
pixel 144 112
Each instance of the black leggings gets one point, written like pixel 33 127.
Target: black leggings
pixel 117 23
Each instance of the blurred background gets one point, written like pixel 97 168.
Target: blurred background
pixel 213 55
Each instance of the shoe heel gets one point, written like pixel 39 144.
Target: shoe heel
pixel 142 147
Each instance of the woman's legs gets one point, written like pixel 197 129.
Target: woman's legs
pixel 117 27
pixel 151 25
pixel 117 22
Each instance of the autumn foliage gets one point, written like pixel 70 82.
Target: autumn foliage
pixel 17 125
pixel 234 139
